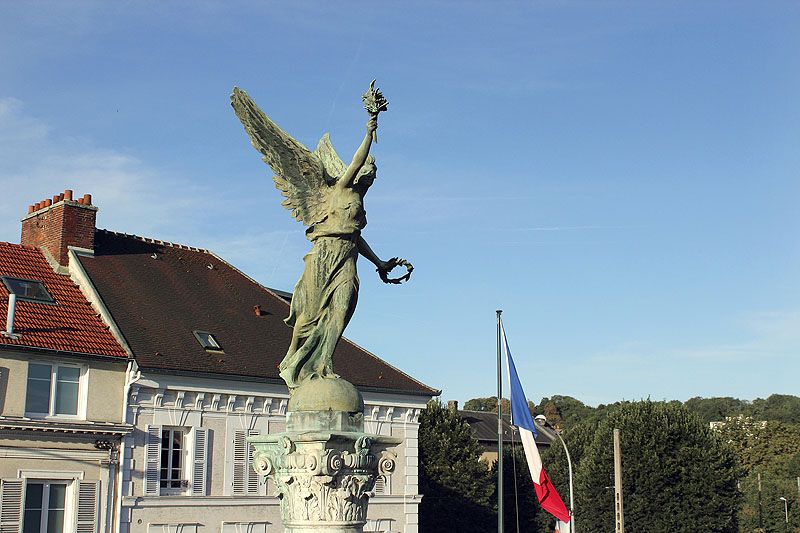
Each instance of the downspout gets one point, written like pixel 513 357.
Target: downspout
pixel 12 309
pixel 113 462
pixel 132 375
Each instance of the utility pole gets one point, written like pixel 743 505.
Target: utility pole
pixel 760 510
pixel 620 517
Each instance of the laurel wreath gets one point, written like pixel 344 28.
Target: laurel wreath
pixel 391 264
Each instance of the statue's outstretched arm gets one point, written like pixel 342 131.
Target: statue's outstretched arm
pixel 361 154
pixel 384 267
pixel 366 251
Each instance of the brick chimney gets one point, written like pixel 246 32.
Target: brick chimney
pixel 59 222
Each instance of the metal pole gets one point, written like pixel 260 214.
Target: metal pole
pixel 620 517
pixel 499 430
pixel 571 496
pixel 785 511
pixel 760 507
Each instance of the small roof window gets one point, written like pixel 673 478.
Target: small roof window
pixel 27 289
pixel 207 341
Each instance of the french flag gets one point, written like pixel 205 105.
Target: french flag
pixel 521 417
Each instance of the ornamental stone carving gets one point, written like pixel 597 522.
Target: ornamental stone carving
pixel 323 479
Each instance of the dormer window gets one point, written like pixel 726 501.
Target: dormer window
pixel 207 341
pixel 27 289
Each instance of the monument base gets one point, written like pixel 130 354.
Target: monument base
pixel 324 466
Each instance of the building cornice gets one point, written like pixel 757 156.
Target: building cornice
pixel 64 426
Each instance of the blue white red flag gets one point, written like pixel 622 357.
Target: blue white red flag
pixel 521 417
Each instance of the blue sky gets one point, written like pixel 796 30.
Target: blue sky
pixel 621 178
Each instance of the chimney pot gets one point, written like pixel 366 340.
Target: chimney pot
pixel 60 196
pixel 31 209
pixel 68 194
pixel 452 405
pixel 55 198
pixel 48 203
pixel 87 199
pixel 80 201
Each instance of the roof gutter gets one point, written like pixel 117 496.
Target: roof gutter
pixel 62 353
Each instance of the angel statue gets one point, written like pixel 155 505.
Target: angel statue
pixel 328 197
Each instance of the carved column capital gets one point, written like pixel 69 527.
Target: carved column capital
pixel 323 479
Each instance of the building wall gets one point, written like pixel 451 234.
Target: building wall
pixel 53 453
pixel 101 384
pixel 73 463
pixel 222 408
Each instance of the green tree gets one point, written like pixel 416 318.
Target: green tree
pixel 772 450
pixel 678 475
pixel 716 409
pixel 457 488
pixel 577 438
pixel 778 407
pixel 520 505
pixel 488 404
pixel 564 411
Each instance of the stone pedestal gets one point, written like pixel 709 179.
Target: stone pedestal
pixel 324 466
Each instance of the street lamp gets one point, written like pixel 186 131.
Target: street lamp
pixel 785 510
pixel 542 420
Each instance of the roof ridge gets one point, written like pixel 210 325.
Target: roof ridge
pixel 151 240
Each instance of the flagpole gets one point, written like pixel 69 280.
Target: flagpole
pixel 499 430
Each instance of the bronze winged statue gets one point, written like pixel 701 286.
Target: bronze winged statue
pixel 328 197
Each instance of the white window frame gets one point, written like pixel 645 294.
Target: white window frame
pixel 70 499
pixel 187 445
pixel 82 391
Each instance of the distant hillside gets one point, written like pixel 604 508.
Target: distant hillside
pixel 566 411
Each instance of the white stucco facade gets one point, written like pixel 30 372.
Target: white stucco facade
pixel 219 491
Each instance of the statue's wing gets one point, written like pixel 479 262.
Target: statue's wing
pixel 334 166
pixel 300 175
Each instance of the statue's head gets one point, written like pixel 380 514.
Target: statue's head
pixel 366 174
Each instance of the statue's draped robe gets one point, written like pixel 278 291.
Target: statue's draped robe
pixel 325 297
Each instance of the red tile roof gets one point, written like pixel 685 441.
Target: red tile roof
pixel 68 325
pixel 159 293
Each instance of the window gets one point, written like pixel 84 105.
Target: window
pixel 53 390
pixel 176 461
pixel 207 341
pixel 27 289
pixel 45 505
pixel 172 451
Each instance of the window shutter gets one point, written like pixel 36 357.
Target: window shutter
pixel 88 496
pixel 252 476
pixel 152 468
pixel 200 458
pixel 245 479
pixel 11 505
pixel 239 462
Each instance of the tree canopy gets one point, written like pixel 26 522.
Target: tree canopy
pixel 457 488
pixel 770 450
pixel 678 475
